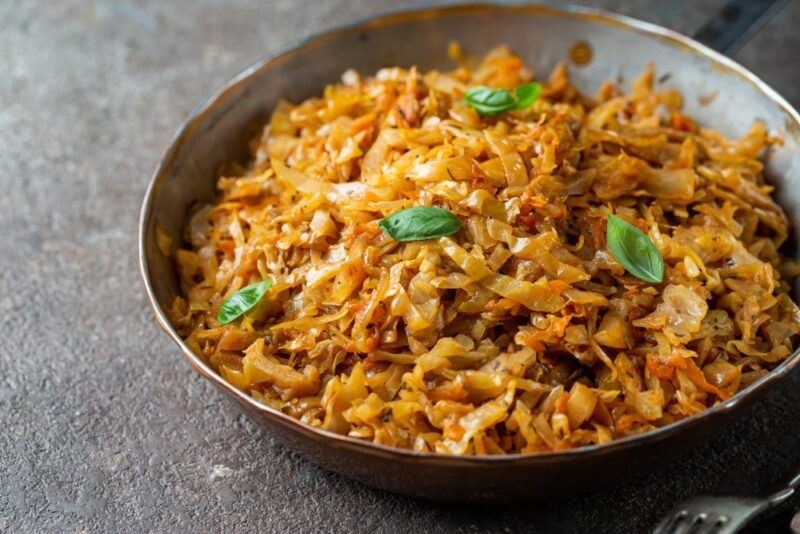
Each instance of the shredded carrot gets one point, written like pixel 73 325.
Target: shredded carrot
pixel 659 369
pixel 561 403
pixel 688 366
pixel 627 421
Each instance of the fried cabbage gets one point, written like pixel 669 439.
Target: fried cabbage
pixel 521 332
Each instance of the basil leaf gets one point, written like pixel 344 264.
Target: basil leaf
pixel 527 93
pixel 487 101
pixel 420 223
pixel 242 301
pixel 634 250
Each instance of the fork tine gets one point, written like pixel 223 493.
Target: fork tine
pixel 683 526
pixel 670 522
pixel 699 522
pixel 711 525
pixel 694 523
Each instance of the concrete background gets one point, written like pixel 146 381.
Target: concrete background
pixel 103 426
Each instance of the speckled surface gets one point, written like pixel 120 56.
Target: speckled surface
pixel 104 426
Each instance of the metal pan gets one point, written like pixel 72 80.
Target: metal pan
pixel 219 129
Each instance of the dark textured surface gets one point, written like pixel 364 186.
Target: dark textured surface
pixel 104 426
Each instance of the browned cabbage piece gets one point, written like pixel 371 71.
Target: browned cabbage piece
pixel 521 332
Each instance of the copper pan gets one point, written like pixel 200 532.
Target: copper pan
pixel 219 129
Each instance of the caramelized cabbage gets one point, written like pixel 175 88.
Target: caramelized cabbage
pixel 520 332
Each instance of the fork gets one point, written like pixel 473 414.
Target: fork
pixel 724 515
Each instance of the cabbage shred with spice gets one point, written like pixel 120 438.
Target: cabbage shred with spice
pixel 515 329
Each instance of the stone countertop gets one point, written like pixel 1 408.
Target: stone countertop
pixel 104 426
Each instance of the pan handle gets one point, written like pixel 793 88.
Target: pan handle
pixel 736 22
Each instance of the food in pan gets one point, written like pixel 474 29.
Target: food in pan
pixel 477 262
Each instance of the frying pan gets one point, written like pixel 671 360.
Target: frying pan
pixel 219 129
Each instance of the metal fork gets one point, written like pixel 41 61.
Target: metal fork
pixel 724 515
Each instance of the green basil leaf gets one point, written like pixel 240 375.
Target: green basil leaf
pixel 634 250
pixel 420 223
pixel 488 101
pixel 242 301
pixel 491 102
pixel 527 93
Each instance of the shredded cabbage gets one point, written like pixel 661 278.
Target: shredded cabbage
pixel 521 332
